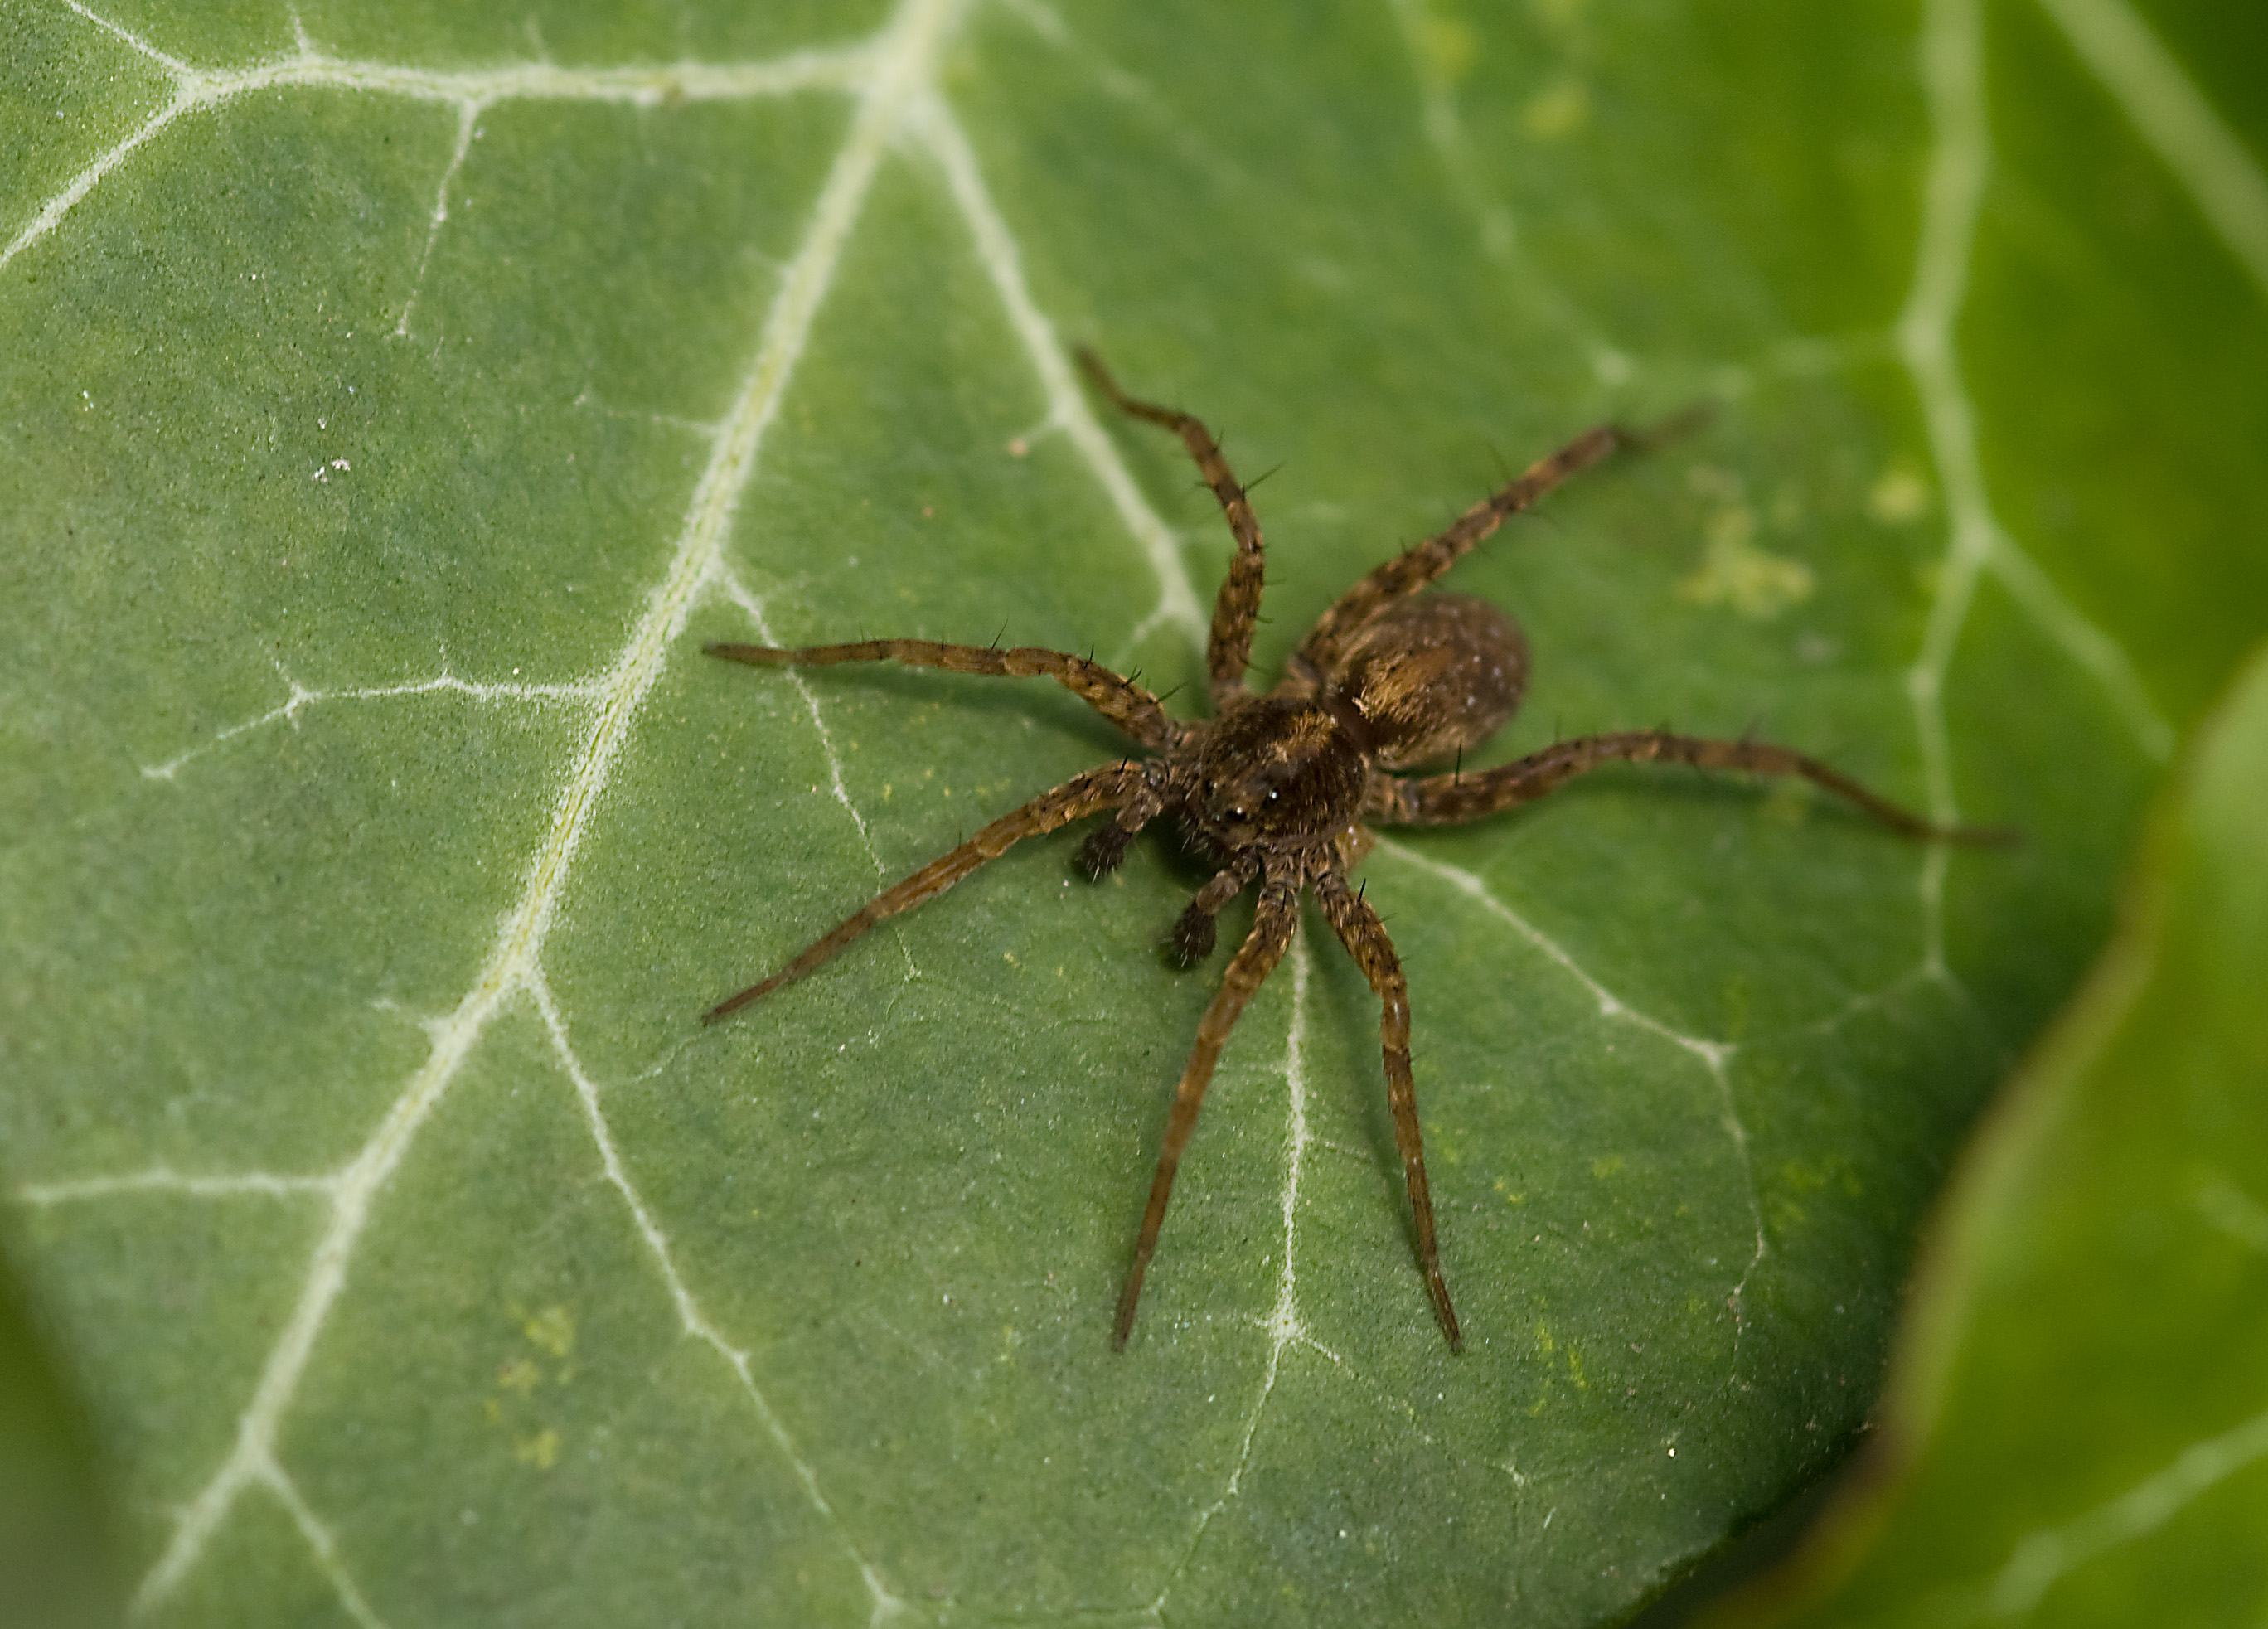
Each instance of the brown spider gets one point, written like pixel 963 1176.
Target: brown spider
pixel 1276 789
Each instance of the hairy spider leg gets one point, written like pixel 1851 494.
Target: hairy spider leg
pixel 1082 795
pixel 1229 650
pixel 1449 799
pixel 1122 701
pixel 1327 642
pixel 1272 922
pixel 1365 936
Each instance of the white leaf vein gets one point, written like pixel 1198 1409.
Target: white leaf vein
pixel 903 58
pixel 2177 121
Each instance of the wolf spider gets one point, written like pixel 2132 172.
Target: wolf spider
pixel 1280 789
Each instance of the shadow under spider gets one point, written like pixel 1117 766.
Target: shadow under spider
pixel 1280 790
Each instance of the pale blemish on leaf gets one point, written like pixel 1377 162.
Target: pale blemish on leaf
pixel 1735 572
pixel 540 1450
pixel 1834 1171
pixel 553 1330
pixel 1451 45
pixel 1557 111
pixel 1899 495
pixel 1787 804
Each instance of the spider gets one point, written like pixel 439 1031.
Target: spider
pixel 1281 789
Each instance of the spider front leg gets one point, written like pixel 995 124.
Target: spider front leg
pixel 1273 920
pixel 1229 650
pixel 1365 936
pixel 1079 796
pixel 1451 799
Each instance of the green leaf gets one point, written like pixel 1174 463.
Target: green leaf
pixel 55 1537
pixel 395 401
pixel 2100 1263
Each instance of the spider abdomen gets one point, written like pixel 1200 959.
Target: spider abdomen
pixel 1429 677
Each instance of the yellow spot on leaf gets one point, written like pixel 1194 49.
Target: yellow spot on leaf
pixel 1609 1166
pixel 1543 1341
pixel 1575 1370
pixel 1735 572
pixel 1834 1171
pixel 1789 804
pixel 518 1375
pixel 553 1328
pixel 540 1450
pixel 1899 496
pixel 1452 45
pixel 1557 111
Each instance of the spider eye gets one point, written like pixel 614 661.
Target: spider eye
pixel 1272 795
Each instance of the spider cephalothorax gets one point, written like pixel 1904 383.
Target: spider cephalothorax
pixel 1278 788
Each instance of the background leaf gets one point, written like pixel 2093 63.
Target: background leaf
pixel 2120 1177
pixel 396 399
pixel 55 1537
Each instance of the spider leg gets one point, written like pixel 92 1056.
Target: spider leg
pixel 1230 649
pixel 1405 574
pixel 1278 913
pixel 1193 930
pixel 1122 701
pixel 1450 799
pixel 1082 795
pixel 1364 935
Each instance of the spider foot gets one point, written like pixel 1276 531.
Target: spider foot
pixel 1106 848
pixel 1193 935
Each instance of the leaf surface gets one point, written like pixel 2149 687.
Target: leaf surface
pixel 2100 1260
pixel 397 398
